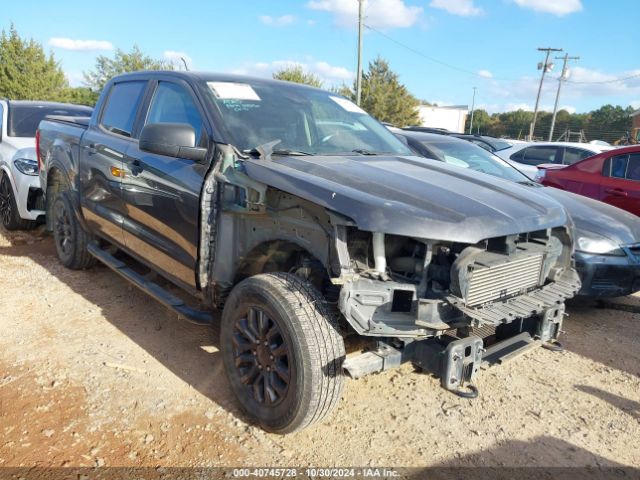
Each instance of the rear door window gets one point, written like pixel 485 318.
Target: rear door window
pixel 573 155
pixel 120 112
pixel 539 155
pixel 633 167
pixel 617 166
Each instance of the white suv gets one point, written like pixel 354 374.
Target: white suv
pixel 21 203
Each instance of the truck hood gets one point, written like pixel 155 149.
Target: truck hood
pixel 412 196
pixel 598 217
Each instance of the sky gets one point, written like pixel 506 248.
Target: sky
pixel 440 49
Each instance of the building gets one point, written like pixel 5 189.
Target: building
pixel 452 117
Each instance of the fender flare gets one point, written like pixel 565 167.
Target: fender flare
pixel 74 195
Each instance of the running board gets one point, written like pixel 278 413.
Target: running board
pixel 176 304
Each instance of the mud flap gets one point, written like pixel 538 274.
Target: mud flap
pixel 456 365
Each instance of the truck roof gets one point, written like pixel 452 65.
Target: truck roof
pixel 206 77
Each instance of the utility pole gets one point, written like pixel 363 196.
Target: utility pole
pixel 473 106
pixel 359 70
pixel 543 66
pixel 563 76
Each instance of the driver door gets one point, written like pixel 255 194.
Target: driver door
pixel 162 193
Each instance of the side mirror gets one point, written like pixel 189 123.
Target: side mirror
pixel 176 140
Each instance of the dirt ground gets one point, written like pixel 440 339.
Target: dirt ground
pixel 95 373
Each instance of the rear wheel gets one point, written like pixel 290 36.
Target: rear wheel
pixel 9 215
pixel 70 238
pixel 282 351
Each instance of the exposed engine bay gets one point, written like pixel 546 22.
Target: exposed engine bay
pixel 429 287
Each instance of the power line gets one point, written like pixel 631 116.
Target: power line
pixel 423 55
pixel 622 79
pixel 475 74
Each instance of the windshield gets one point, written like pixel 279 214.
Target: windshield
pixel 24 119
pixel 302 120
pixel 467 155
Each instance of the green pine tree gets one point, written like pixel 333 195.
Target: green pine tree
pixel 122 62
pixel 26 72
pixel 297 74
pixel 384 97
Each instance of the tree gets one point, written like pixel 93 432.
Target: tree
pixel 385 98
pixel 296 73
pixel 79 96
pixel 122 62
pixel 482 121
pixel 26 72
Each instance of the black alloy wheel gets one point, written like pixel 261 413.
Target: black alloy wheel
pixel 261 357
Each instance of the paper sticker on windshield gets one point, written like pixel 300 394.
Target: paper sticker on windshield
pixel 234 91
pixel 347 105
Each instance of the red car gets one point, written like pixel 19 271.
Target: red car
pixel 612 177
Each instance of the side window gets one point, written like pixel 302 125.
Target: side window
pixel 633 167
pixel 573 155
pixel 1 120
pixel 618 166
pixel 518 156
pixel 606 168
pixel 173 104
pixel 539 155
pixel 119 114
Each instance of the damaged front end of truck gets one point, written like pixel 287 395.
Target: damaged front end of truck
pixel 430 273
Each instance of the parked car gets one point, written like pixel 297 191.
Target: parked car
pixel 608 239
pixel 417 128
pixel 526 157
pixel 612 177
pixel 490 144
pixel 21 203
pixel 224 186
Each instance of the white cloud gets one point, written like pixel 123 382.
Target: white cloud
pixel 555 7
pixel 175 58
pixel 329 74
pixel 635 104
pixel 80 45
pixel 378 13
pixel 464 8
pixel 277 21
pixel 569 108
pixel 75 79
pixel 485 73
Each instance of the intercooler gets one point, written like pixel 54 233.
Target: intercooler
pixel 494 281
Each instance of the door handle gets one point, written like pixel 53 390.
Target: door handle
pixel 616 191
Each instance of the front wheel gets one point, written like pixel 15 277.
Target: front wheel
pixel 11 219
pixel 282 351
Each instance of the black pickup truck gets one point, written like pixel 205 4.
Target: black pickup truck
pixel 306 221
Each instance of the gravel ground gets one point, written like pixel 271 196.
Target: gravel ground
pixel 93 372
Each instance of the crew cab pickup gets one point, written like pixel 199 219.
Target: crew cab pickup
pixel 306 222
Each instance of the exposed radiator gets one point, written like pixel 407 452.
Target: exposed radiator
pixel 487 283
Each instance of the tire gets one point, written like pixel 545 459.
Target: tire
pixel 306 349
pixel 9 215
pixel 70 238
